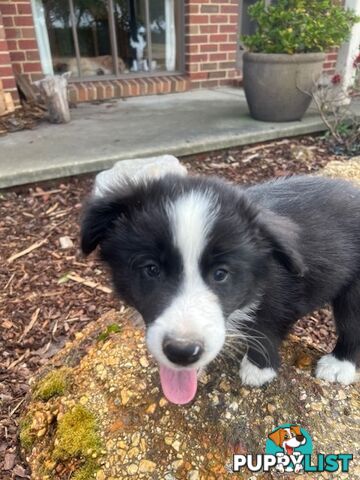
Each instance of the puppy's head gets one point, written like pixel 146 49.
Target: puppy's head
pixel 288 438
pixel 186 252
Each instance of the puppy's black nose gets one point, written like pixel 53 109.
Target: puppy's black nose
pixel 300 438
pixel 182 352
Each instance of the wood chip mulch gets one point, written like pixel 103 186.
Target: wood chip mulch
pixel 49 291
pixel 27 117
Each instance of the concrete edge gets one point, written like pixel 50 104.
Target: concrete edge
pixel 308 126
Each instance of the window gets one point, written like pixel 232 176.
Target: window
pixel 93 38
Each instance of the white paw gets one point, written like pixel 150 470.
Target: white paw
pixel 254 376
pixel 334 370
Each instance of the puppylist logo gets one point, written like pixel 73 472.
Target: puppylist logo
pixel 288 449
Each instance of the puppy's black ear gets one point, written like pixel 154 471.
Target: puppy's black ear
pixel 98 218
pixel 283 235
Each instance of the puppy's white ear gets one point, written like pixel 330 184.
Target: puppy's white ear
pixel 283 235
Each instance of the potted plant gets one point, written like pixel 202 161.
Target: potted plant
pixel 286 54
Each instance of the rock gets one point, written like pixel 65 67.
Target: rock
pixel 144 362
pixel 19 471
pixel 132 469
pixel 136 169
pixel 193 475
pixel 100 475
pixel 66 242
pixel 348 170
pixel 9 461
pixel 146 466
pixel 152 435
pixel 176 445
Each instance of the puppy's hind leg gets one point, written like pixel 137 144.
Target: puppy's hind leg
pixel 340 365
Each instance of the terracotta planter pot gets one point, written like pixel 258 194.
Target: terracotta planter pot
pixel 275 84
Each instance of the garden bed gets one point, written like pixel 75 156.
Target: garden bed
pixel 49 293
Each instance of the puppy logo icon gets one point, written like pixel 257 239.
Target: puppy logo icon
pixel 289 449
pixel 289 443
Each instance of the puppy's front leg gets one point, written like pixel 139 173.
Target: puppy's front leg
pixel 261 361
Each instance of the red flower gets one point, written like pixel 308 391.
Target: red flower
pixel 336 79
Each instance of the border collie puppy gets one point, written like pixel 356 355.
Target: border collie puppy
pixel 203 260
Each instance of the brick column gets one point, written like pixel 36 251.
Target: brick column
pixel 330 60
pixel 21 37
pixel 6 70
pixel 211 42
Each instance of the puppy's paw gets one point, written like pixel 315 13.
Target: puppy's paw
pixel 333 370
pixel 254 376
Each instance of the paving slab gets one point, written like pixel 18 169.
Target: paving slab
pixel 99 135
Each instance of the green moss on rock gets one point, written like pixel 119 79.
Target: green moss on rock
pixel 55 383
pixel 27 438
pixel 76 435
pixel 86 472
pixel 113 328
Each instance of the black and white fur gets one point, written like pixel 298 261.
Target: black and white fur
pixel 203 260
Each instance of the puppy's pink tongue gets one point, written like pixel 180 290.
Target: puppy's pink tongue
pixel 179 386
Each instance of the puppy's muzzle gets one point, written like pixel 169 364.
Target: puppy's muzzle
pixel 182 352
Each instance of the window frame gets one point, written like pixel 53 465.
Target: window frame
pixel 180 46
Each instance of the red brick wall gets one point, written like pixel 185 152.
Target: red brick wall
pixel 6 69
pixel 330 61
pixel 21 38
pixel 211 39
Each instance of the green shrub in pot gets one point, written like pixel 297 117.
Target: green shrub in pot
pixel 286 53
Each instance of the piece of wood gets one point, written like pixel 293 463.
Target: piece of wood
pixel 2 99
pixel 33 320
pixel 9 102
pixel 6 103
pixel 26 88
pixel 2 103
pixel 53 90
pixel 26 251
pixel 88 283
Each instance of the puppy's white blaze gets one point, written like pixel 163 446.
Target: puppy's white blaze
pixel 254 376
pixel 334 370
pixel 191 218
pixel 195 312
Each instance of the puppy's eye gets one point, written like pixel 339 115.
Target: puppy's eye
pixel 220 275
pixel 152 270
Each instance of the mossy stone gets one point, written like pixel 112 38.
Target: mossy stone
pixel 27 439
pixel 76 435
pixel 55 383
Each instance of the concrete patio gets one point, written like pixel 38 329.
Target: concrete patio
pixel 100 135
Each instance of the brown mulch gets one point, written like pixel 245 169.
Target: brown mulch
pixel 48 293
pixel 27 117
